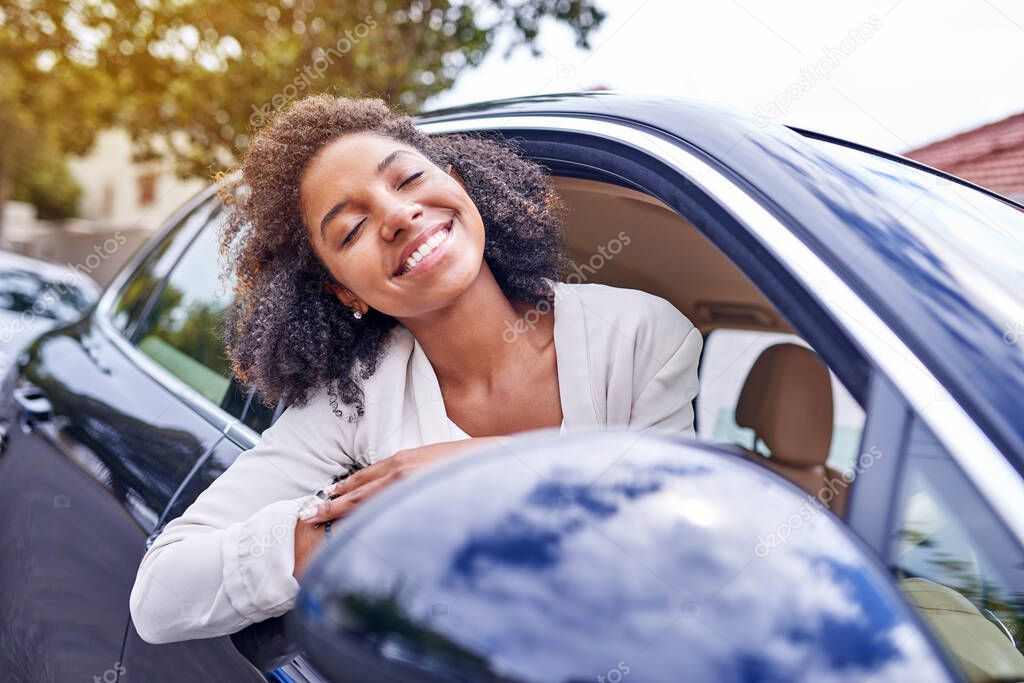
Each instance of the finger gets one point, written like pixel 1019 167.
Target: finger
pixel 342 505
pixel 359 478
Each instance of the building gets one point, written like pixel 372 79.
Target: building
pixel 119 192
pixel 123 203
pixel 991 156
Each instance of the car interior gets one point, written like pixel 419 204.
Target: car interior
pixel 752 358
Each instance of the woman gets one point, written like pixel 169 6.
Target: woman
pixel 400 293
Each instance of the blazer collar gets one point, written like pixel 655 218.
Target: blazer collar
pixel 572 358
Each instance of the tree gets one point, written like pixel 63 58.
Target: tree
pixel 52 95
pixel 46 183
pixel 191 78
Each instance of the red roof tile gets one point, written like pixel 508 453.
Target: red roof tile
pixel 991 156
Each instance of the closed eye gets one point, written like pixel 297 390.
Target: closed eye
pixel 412 178
pixel 352 233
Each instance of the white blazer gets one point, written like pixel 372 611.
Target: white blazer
pixel 625 358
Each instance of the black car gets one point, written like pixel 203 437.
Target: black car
pixel 764 237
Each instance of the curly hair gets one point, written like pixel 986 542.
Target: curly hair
pixel 285 335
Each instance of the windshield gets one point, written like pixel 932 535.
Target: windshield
pixel 23 291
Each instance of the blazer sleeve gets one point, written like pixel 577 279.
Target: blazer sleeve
pixel 227 562
pixel 665 399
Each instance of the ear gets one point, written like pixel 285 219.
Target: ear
pixel 346 297
pixel 454 173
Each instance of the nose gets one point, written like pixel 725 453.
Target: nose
pixel 400 216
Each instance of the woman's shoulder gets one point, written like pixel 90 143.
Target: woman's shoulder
pixel 626 308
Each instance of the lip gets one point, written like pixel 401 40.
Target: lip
pixel 419 240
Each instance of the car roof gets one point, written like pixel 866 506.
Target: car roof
pixel 957 338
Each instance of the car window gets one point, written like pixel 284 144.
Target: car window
pixel 182 330
pixel 726 361
pixel 958 565
pixel 135 294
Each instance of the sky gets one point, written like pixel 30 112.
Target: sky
pixel 891 74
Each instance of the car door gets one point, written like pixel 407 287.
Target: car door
pixel 94 448
pixel 264 645
pixel 97 444
pixel 176 341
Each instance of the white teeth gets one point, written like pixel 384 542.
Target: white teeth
pixel 424 249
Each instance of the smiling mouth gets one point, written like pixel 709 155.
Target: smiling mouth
pixel 423 252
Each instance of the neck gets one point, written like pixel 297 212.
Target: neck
pixel 473 341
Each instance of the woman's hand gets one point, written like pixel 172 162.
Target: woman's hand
pixel 308 537
pixel 345 495
pixel 348 493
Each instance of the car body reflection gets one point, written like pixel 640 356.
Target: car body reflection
pixel 566 560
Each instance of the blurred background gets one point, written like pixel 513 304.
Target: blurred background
pixel 113 112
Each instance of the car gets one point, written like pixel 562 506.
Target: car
pixel 858 456
pixel 35 296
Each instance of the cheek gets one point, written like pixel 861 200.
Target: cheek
pixel 361 269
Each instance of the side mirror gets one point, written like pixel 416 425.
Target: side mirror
pixel 599 555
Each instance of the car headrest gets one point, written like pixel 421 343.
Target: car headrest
pixel 787 401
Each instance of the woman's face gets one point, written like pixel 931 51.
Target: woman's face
pixel 369 202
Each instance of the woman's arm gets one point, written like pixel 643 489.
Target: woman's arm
pixel 365 483
pixel 227 562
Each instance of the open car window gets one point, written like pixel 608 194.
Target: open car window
pixel 728 357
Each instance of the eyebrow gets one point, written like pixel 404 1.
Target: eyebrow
pixel 383 165
pixel 337 208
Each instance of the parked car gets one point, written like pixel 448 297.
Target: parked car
pixel 864 327
pixel 35 296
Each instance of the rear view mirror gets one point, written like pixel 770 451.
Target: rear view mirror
pixel 601 556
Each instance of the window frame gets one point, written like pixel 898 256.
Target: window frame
pixel 175 234
pixel 738 222
pixel 125 341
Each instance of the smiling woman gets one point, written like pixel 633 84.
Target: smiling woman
pixel 321 176
pixel 379 272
